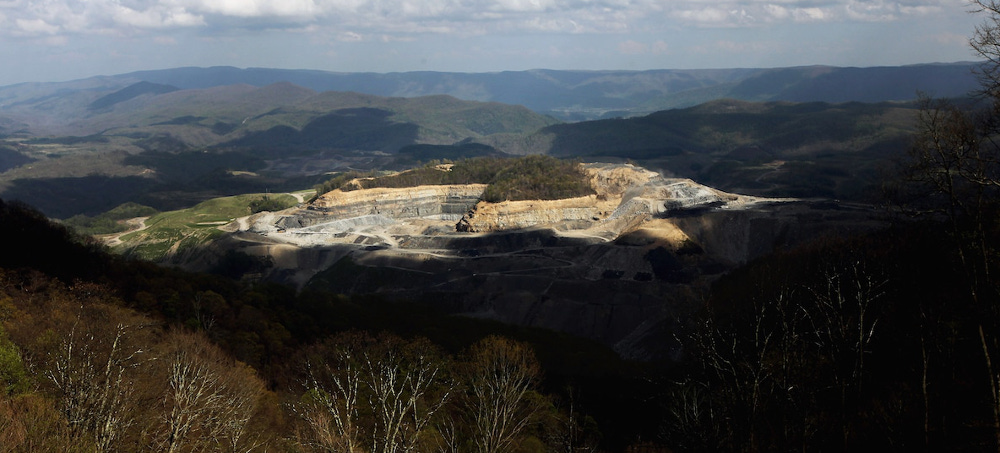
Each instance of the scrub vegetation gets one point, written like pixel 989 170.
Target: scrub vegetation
pixel 524 178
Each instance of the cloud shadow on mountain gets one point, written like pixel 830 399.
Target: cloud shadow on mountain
pixel 365 129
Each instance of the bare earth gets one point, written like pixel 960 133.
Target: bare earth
pixel 136 224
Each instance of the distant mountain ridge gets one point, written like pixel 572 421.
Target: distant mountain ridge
pixel 578 95
pixel 172 138
pixel 226 114
pixel 566 94
pixel 88 150
pixel 130 92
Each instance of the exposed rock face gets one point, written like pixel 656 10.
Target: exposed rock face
pixel 340 212
pixel 627 197
pixel 611 266
pixel 614 180
pixel 421 201
pixel 514 215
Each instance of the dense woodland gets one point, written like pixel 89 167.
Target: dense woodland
pixel 93 343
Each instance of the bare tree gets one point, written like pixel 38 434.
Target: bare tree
pixel 405 380
pixel 330 405
pixel 92 374
pixel 401 384
pixel 448 438
pixel 693 420
pixel 569 431
pixel 955 164
pixel 985 42
pixel 210 400
pixel 845 321
pixel 739 358
pixel 500 382
pixel 772 358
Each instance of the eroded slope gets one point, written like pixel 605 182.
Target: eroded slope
pixel 608 266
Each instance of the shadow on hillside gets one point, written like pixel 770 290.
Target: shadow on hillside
pixel 764 149
pixel 65 197
pixel 191 165
pixel 62 198
pixel 10 158
pixel 366 129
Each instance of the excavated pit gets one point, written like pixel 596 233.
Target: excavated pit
pixel 605 266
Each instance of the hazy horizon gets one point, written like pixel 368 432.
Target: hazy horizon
pixel 63 40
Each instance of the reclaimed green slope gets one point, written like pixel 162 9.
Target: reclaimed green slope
pixel 169 233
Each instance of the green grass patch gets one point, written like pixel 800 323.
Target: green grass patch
pixel 172 232
pixel 111 221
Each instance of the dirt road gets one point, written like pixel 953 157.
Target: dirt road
pixel 136 224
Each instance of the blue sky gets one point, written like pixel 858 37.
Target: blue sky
pixel 57 40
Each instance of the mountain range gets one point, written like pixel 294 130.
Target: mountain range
pixel 172 138
pixel 564 94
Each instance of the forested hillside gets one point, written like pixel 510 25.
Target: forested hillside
pixel 882 339
pixel 105 354
pixel 171 149
pixel 564 94
pixel 767 149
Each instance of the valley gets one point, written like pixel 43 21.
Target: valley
pixel 630 255
pixel 674 199
pixel 171 139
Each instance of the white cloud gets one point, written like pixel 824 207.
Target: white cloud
pixel 521 5
pixel 777 12
pixel 552 25
pixel 349 36
pixel 706 16
pixel 810 14
pixel 761 12
pixel 462 17
pixel 394 35
pixel 36 27
pixel 156 17
pixel 254 8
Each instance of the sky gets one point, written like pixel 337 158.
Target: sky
pixel 59 40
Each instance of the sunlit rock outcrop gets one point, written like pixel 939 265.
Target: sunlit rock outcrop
pixel 606 266
pixel 571 213
pixel 446 202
